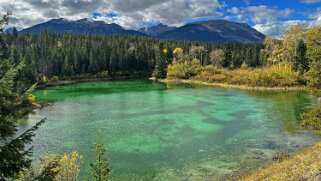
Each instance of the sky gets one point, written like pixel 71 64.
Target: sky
pixel 271 17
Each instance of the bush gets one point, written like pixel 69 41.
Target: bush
pixel 210 69
pixel 178 70
pixel 103 74
pixel 54 167
pixel 277 75
pixel 54 79
pixel 42 79
pixel 312 119
pixel 31 98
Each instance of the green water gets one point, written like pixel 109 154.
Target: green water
pixel 156 131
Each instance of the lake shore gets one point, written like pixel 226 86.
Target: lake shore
pixel 67 82
pixel 83 80
pixel 303 165
pixel 235 86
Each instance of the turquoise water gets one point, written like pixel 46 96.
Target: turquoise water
pixel 156 131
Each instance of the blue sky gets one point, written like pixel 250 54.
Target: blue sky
pixel 271 17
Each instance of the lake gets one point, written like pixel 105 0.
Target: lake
pixel 155 131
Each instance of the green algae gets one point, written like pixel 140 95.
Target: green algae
pixel 156 131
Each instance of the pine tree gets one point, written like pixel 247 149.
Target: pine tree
pixel 93 67
pixel 14 32
pixel 13 100
pixel 161 64
pixel 67 67
pixel 301 63
pixel 100 168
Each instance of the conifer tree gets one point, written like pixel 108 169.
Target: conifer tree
pixel 100 168
pixel 14 154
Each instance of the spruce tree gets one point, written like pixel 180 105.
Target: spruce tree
pixel 301 63
pixel 14 153
pixel 100 168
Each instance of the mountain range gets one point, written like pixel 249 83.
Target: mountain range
pixel 205 31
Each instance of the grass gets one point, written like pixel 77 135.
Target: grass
pixel 304 165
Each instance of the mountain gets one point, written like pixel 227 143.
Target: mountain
pixel 9 30
pixel 215 31
pixel 156 30
pixel 82 26
pixel 205 31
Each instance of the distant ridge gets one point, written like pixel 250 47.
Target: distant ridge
pixel 205 31
pixel 82 26
pixel 216 31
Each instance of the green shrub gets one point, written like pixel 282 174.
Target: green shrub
pixel 312 119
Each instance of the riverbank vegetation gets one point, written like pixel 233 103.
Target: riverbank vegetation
pixel 281 75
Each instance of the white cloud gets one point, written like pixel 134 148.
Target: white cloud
pixel 277 28
pixel 260 14
pixel 310 1
pixel 268 20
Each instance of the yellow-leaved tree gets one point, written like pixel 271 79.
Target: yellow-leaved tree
pixel 58 167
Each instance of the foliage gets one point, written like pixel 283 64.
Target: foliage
pixel 14 99
pixel 67 168
pixel 100 168
pixel 13 155
pixel 178 70
pixel 198 52
pixel 313 39
pixel 276 75
pixel 163 59
pixel 269 54
pixel 291 39
pixel 54 167
pixel 183 70
pixel 217 57
pixel 312 119
pixel 313 77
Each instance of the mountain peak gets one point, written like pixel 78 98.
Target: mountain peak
pixel 156 30
pixel 85 20
pixel 59 20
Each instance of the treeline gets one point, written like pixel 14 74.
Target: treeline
pixel 69 55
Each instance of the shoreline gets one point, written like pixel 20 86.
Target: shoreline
pixel 302 164
pixel 234 86
pixel 84 80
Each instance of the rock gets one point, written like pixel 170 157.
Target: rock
pixel 258 152
pixel 280 157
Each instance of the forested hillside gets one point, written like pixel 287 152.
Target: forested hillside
pixel 65 55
